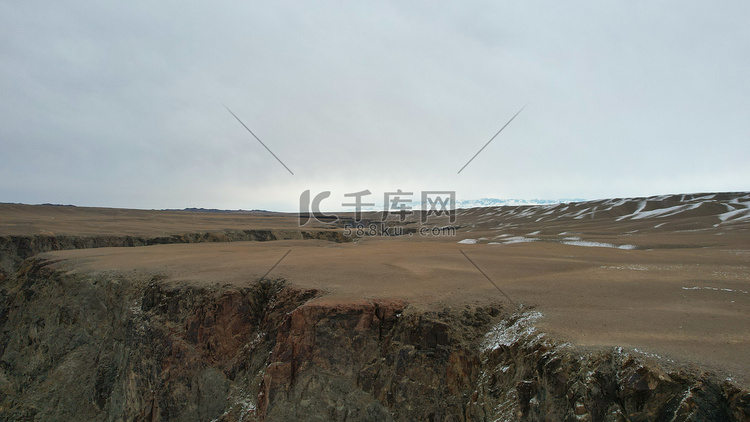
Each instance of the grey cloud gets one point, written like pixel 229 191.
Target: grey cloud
pixel 122 105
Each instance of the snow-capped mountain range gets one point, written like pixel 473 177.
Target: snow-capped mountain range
pixel 486 202
pixel 495 202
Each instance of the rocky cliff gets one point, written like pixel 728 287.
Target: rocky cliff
pixel 112 346
pixel 14 249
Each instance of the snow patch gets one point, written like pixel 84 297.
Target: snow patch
pixel 665 212
pixel 714 289
pixel 641 206
pixel 627 267
pixel 509 332
pixel 591 244
pixel 518 239
pixel 736 215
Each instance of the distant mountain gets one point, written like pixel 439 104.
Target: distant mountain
pixel 215 210
pixel 495 202
pixel 681 212
pixel 490 202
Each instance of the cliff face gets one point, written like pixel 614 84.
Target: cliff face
pixel 113 348
pixel 526 375
pixel 14 249
pixel 110 347
pixel 373 361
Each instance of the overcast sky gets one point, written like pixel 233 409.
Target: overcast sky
pixel 122 104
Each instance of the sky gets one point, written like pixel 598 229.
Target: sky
pixel 125 104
